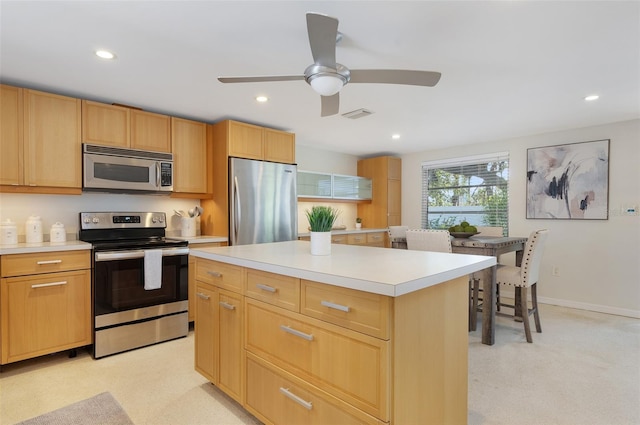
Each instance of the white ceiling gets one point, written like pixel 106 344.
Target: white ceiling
pixel 509 68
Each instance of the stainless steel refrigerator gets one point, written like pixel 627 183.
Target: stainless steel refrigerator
pixel 263 203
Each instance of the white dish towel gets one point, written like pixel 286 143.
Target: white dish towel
pixel 152 269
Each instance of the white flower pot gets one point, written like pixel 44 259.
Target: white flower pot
pixel 358 225
pixel 320 243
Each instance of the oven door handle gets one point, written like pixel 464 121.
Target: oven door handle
pixel 138 253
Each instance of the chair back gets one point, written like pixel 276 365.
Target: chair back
pixel 490 231
pixel 533 250
pixel 429 240
pixel 397 232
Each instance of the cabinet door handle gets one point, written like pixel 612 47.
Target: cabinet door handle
pixel 266 287
pixel 40 263
pixel 308 337
pixel 44 285
pixel 306 404
pixel 214 274
pixel 203 296
pixel 227 305
pixel 376 237
pixel 335 306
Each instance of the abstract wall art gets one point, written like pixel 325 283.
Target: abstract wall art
pixel 569 181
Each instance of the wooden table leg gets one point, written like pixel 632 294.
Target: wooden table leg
pixel 489 306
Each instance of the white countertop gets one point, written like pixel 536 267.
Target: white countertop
pixel 384 271
pixel 349 231
pixel 31 248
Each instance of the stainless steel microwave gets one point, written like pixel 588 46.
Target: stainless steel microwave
pixel 112 169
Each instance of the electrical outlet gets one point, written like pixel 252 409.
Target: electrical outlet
pixel 555 270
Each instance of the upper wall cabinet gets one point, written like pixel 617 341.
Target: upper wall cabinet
pixel 189 140
pixel 123 127
pixel 255 142
pixel 385 207
pixel 333 186
pixel 40 145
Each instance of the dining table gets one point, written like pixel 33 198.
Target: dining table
pixel 490 246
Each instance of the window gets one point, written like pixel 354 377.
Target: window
pixel 472 189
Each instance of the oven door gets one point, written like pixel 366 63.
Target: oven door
pixel 118 280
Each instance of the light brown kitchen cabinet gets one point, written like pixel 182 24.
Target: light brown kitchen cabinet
pixel 339 355
pixel 45 157
pixel 385 207
pixel 123 127
pixel 192 278
pixel 190 154
pixel 219 326
pixel 357 238
pixel 11 140
pixel 255 142
pixel 46 303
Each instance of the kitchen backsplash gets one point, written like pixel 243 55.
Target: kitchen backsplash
pixel 65 209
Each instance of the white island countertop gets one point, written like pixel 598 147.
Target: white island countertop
pixel 385 271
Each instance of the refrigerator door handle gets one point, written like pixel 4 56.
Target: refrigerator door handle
pixel 236 210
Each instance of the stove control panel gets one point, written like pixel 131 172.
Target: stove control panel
pixel 122 220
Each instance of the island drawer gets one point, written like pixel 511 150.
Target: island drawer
pixel 222 275
pixel 44 262
pixel 350 365
pixel 277 397
pixel 283 291
pixel 339 239
pixel 361 311
pixel 376 239
pixel 357 239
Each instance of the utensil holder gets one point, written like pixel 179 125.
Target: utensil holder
pixel 187 227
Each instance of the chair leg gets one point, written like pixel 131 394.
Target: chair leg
pixel 525 312
pixel 497 297
pixel 534 303
pixel 473 309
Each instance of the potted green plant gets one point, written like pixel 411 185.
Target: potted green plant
pixel 358 223
pixel 321 220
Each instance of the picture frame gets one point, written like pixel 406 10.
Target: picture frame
pixel 569 181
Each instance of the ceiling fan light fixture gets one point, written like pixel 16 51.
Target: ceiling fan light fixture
pixel 327 85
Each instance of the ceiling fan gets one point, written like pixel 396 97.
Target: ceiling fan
pixel 327 77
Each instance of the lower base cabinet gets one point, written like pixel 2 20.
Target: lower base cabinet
pixel 44 309
pixel 294 351
pixel 277 397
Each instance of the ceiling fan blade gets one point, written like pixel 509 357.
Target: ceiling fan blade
pixel 395 76
pixel 330 105
pixel 323 31
pixel 260 79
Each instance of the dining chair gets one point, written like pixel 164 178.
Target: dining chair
pixel 524 277
pixel 429 240
pixel 474 280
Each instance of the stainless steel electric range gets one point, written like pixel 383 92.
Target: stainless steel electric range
pixel 139 280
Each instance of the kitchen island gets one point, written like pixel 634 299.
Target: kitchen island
pixel 362 336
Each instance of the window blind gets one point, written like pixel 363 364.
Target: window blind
pixel 472 188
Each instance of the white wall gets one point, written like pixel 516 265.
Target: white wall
pixel 311 159
pixel 66 209
pixel 598 260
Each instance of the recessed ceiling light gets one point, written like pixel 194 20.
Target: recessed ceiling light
pixel 592 97
pixel 395 136
pixel 105 54
pixel 262 99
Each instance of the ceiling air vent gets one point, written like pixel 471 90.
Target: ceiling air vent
pixel 358 113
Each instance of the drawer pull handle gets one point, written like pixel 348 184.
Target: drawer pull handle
pixel 335 306
pixel 40 263
pixel 376 237
pixel 227 305
pixel 214 274
pixel 203 296
pixel 44 285
pixel 308 337
pixel 306 404
pixel 266 287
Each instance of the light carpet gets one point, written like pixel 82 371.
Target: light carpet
pixel 101 409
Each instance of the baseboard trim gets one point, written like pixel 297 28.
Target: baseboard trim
pixel 598 308
pixel 591 307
